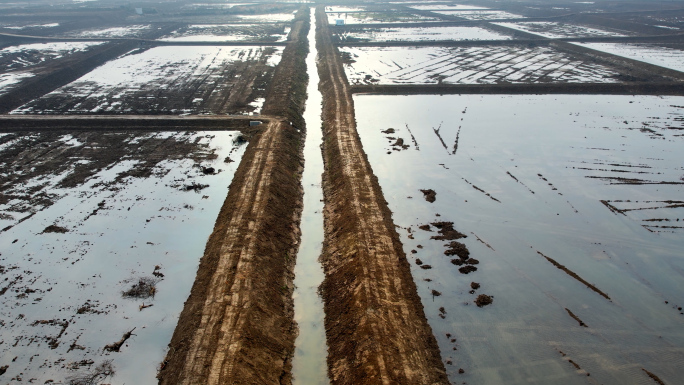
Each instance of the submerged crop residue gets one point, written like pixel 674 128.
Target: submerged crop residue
pixel 575 276
pixel 99 248
pixel 167 80
pixel 469 65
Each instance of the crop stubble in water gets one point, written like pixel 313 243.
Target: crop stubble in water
pixel 62 302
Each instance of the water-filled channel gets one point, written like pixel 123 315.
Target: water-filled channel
pixel 309 365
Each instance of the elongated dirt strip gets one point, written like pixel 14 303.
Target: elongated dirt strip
pixel 375 325
pixel 237 326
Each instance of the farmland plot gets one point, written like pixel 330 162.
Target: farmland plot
pixel 198 80
pixel 558 30
pixel 30 26
pixel 338 9
pixel 378 17
pixel 111 32
pixel 482 15
pixel 268 18
pixel 421 34
pixel 467 65
pixel 24 56
pixel 661 56
pixel 228 32
pixel 17 62
pixel 101 238
pixel 570 217
pixel 445 7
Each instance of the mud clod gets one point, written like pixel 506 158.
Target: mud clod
pixel 461 371
pixel 425 227
pixel 447 232
pixel 95 376
pixel 195 186
pixel 55 229
pixel 419 261
pixel 483 300
pixel 430 195
pixel 426 267
pixel 457 248
pixel 208 170
pixel 467 269
pixel 474 285
pixel 145 287
pixel 116 346
pixel 436 293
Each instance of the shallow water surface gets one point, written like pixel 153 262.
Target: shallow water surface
pixel 594 183
pixel 309 363
pixel 64 268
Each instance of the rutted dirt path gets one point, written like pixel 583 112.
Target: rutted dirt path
pixel 238 324
pixel 375 325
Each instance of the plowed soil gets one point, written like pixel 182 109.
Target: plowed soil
pixel 375 324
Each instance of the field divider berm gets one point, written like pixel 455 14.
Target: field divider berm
pixel 237 326
pixel 376 328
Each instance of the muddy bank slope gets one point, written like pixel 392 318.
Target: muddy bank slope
pixel 237 325
pixel 375 324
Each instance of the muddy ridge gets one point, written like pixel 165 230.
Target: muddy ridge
pixel 238 325
pixel 575 276
pixel 375 324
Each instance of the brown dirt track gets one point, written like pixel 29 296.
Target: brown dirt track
pixel 237 325
pixel 375 325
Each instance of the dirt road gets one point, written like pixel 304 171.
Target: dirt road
pixel 238 326
pixel 375 325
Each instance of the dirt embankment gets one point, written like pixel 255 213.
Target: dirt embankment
pixel 375 325
pixel 238 326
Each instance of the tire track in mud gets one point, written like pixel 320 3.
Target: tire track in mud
pixel 375 325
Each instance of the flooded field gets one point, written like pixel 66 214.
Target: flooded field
pixel 101 237
pixel 378 17
pixel 18 62
pixel 194 79
pixel 545 241
pixel 672 58
pixel 25 56
pixel 111 32
pixel 420 34
pixel 466 65
pixel 445 7
pixel 481 15
pixel 230 32
pixel 268 18
pixel 552 29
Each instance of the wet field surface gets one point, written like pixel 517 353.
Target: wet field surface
pixel 568 216
pixel 168 80
pixel 468 65
pixel 74 281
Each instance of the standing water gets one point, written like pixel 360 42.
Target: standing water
pixel 309 365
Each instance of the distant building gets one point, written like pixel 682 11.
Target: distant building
pixel 139 11
pixel 339 21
